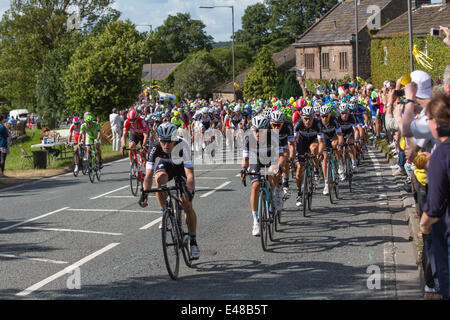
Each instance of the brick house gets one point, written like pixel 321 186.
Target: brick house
pixel 327 49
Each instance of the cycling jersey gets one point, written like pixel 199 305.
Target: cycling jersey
pixel 286 134
pixel 329 131
pixel 76 130
pixel 139 129
pixel 178 122
pixel 347 126
pixel 180 156
pixel 295 116
pixel 235 119
pixel 359 113
pixel 91 133
pixel 306 136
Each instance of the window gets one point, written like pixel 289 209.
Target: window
pixel 343 61
pixel 326 61
pixel 309 61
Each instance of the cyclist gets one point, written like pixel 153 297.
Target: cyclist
pixel 175 161
pixel 287 146
pixel 75 130
pixel 91 131
pixel 330 137
pixel 260 134
pixel 138 129
pixel 299 105
pixel 349 127
pixel 305 132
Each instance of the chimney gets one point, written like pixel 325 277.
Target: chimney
pixel 418 3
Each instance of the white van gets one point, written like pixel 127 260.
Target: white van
pixel 19 114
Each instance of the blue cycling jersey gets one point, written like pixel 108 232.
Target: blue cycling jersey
pixel 359 113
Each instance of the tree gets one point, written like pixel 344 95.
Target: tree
pixel 198 74
pixel 255 30
pixel 224 58
pixel 50 90
pixel 287 86
pixel 105 70
pixel 178 37
pixel 261 83
pixel 29 30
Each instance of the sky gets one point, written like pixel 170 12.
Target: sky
pixel 153 12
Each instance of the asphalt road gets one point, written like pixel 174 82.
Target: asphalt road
pixel 54 224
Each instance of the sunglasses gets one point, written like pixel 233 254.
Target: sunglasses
pixel 134 120
pixel 277 125
pixel 307 118
pixel 326 116
pixel 165 141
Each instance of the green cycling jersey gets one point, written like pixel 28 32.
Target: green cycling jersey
pixel 91 133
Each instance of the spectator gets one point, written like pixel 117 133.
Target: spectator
pixel 447 80
pixel 4 150
pixel 446 32
pixel 436 216
pixel 116 129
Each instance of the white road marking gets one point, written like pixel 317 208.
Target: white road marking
pixel 212 178
pixel 113 210
pixel 33 219
pixel 214 169
pixel 104 194
pixel 215 189
pixel 67 270
pixel 31 258
pixel 73 230
pixel 151 224
pixel 13 187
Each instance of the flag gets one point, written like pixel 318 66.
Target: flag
pixel 422 58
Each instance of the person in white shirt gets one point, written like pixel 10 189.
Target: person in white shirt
pixel 116 129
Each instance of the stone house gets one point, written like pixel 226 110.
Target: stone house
pixel 327 49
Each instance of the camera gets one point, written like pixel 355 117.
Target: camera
pixel 436 32
pixel 399 93
pixel 443 130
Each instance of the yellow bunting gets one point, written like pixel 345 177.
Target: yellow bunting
pixel 421 58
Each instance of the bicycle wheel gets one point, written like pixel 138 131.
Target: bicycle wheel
pixel 305 189
pixel 184 236
pixel 349 170
pixel 335 183
pixel 263 228
pixel 134 182
pixel 330 181
pixel 98 173
pixel 91 172
pixel 76 159
pixel 271 220
pixel 171 248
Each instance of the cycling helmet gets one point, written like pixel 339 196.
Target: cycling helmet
pixel 343 108
pixel 300 103
pixel 132 114
pixel 89 119
pixel 205 110
pixel 237 108
pixel 307 111
pixel 325 110
pixel 166 131
pixel 76 120
pixel 353 99
pixel 351 107
pixel 260 122
pixel 266 113
pixel 277 116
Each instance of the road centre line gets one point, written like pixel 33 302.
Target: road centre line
pixel 215 189
pixel 72 230
pixel 212 178
pixel 67 270
pixel 104 194
pixel 31 258
pixel 151 224
pixel 33 219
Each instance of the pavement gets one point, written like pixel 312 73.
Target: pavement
pixel 63 237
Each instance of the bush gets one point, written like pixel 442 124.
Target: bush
pixel 398 59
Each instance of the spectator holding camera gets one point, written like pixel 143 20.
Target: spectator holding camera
pixel 436 217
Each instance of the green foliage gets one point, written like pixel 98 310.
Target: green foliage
pixel 179 36
pixel 29 30
pixel 261 83
pixel 197 75
pixel 287 86
pixel 50 90
pixel 105 70
pixel 255 31
pixel 398 59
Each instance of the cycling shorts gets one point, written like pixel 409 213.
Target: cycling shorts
pixel 302 147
